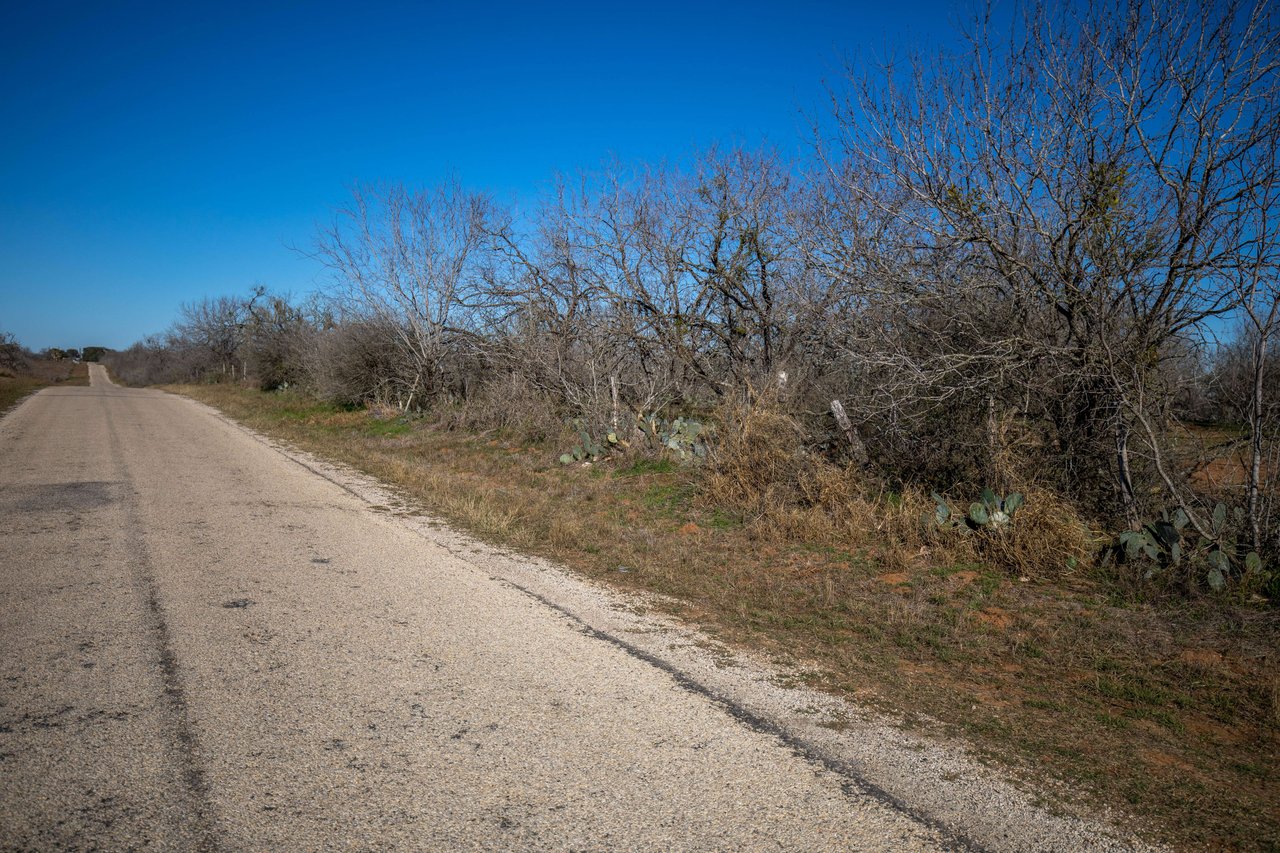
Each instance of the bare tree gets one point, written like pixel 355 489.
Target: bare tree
pixel 276 334
pixel 13 357
pixel 1063 204
pixel 214 329
pixel 405 261
pixel 1256 280
pixel 660 284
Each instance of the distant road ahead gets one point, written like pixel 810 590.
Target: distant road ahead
pixel 208 646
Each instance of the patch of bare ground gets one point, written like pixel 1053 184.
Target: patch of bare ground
pixel 1170 711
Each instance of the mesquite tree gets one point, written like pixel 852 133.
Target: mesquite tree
pixel 404 261
pixel 1062 206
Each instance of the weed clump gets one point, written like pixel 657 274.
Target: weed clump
pixel 763 469
pixel 759 465
pixel 1048 539
pixel 511 404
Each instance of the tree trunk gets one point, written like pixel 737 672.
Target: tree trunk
pixel 858 449
pixel 1254 479
pixel 995 473
pixel 1123 473
pixel 613 394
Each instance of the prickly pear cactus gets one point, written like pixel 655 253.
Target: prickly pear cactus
pixel 990 513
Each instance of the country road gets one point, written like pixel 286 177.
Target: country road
pixel 210 646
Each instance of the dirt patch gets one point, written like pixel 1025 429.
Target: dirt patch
pixel 1227 472
pixel 996 617
pixel 1164 760
pixel 1202 658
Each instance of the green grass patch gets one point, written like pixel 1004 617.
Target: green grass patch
pixel 641 467
pixel 376 427
pixel 668 498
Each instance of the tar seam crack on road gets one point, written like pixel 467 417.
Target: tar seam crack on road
pixel 187 752
pixel 755 722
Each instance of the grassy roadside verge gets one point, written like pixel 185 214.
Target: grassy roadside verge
pixel 1170 712
pixel 42 374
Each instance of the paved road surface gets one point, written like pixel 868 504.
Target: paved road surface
pixel 209 647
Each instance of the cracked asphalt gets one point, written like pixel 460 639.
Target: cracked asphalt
pixel 210 647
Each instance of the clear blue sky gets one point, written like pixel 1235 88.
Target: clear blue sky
pixel 157 153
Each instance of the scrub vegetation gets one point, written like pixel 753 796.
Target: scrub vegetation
pixel 973 410
pixel 23 372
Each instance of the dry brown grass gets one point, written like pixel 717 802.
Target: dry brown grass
pixel 1048 540
pixel 40 373
pixel 1168 710
pixel 762 470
